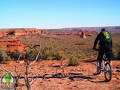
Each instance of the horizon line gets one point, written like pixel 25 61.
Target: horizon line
pixel 61 27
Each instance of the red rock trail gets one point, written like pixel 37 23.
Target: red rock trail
pixel 50 75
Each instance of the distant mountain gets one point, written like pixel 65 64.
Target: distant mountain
pixel 98 29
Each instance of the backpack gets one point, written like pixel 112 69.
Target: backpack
pixel 107 37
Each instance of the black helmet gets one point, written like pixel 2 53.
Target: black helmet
pixel 103 29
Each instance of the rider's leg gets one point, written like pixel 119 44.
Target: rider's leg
pixel 99 60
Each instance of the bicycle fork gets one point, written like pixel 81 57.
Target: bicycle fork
pixel 104 67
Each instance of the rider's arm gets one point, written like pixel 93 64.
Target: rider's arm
pixel 96 41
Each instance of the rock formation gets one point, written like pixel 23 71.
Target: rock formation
pixel 83 35
pixel 12 45
pixel 19 31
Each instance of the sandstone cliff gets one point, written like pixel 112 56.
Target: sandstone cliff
pixel 19 31
pixel 12 45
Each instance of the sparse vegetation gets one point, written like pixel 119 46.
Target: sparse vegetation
pixel 46 53
pixel 31 54
pixel 63 46
pixel 66 44
pixel 3 56
pixel 14 54
pixel 50 53
pixel 73 61
pixel 116 45
pixel 118 55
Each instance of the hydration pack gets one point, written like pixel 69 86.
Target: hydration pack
pixel 107 37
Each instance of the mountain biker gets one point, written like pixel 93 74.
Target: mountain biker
pixel 105 47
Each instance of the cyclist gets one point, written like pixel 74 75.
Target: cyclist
pixel 105 47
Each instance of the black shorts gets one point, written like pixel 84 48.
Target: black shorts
pixel 108 54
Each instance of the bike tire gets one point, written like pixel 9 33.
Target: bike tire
pixel 107 72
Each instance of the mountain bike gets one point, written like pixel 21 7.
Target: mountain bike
pixel 106 68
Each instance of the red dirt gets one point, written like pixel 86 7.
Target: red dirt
pixel 49 75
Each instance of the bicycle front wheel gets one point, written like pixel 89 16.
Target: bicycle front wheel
pixel 108 72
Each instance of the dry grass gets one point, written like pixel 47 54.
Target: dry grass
pixel 66 45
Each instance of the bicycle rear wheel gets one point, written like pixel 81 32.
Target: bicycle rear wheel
pixel 108 72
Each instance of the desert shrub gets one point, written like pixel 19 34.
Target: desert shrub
pixel 73 61
pixel 31 54
pixel 3 56
pixel 14 54
pixel 115 49
pixel 49 53
pixel 46 53
pixel 118 55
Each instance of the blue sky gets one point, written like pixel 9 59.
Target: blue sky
pixel 59 13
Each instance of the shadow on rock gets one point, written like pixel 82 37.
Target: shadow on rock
pixel 73 76
pixel 99 81
pixel 89 61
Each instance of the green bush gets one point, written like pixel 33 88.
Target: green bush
pixel 73 61
pixel 3 56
